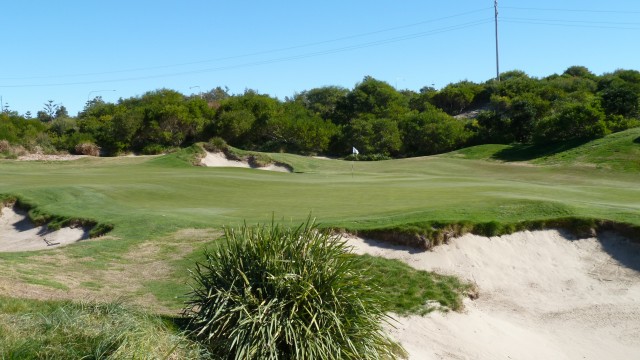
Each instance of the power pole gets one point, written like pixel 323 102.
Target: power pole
pixel 495 6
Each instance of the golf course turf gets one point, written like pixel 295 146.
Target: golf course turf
pixel 164 210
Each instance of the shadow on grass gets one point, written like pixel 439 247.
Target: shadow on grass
pixel 637 140
pixel 524 152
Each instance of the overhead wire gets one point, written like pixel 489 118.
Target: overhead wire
pixel 574 23
pixel 234 57
pixel 570 10
pixel 275 60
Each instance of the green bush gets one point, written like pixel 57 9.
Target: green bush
pixel 366 157
pixel 216 144
pixel 272 292
pixel 153 149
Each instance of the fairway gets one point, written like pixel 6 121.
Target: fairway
pixel 147 197
pixel 156 205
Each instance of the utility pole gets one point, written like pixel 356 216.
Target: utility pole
pixel 495 6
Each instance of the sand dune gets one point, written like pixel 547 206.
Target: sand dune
pixel 542 296
pixel 17 233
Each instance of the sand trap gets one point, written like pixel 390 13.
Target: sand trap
pixel 219 159
pixel 45 157
pixel 17 233
pixel 542 296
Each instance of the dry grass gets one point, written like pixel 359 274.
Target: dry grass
pixel 57 275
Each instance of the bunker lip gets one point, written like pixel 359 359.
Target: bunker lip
pixel 542 295
pixel 219 159
pixel 19 233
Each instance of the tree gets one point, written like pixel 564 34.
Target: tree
pixel 524 112
pixel 322 101
pixel 432 132
pixel 61 112
pixel 620 99
pixel 373 136
pixel 295 129
pixel 579 71
pixel 233 126
pixel 454 98
pixel 372 97
pixel 49 111
pixel 262 107
pixel 574 121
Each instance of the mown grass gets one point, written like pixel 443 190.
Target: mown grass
pixel 619 151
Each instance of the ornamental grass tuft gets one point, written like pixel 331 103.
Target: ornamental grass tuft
pixel 275 292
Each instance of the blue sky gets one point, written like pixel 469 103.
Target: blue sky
pixel 68 51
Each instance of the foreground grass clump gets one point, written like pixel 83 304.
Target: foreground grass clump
pixel 273 292
pixel 31 329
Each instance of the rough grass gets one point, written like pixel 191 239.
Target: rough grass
pixel 63 330
pixel 406 290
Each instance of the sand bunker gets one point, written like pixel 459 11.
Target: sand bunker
pixel 18 233
pixel 542 296
pixel 219 159
pixel 45 157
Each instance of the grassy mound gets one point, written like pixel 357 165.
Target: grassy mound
pixel 619 151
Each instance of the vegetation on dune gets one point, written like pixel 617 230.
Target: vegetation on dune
pixel 374 117
pixel 273 292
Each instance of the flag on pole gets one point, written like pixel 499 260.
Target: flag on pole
pixel 355 151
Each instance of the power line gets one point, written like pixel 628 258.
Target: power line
pixel 574 21
pixel 234 57
pixel 572 10
pixel 276 60
pixel 567 24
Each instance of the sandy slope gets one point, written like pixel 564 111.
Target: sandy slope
pixel 17 233
pixel 218 159
pixel 542 296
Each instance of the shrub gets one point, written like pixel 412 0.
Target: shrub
pixel 4 146
pixel 271 292
pixel 86 148
pixel 216 144
pixel 153 149
pixel 366 157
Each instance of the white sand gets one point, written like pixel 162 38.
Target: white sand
pixel 17 233
pixel 45 157
pixel 218 159
pixel 542 296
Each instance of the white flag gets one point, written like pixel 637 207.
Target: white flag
pixel 355 151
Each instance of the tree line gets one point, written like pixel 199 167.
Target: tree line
pixel 373 116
